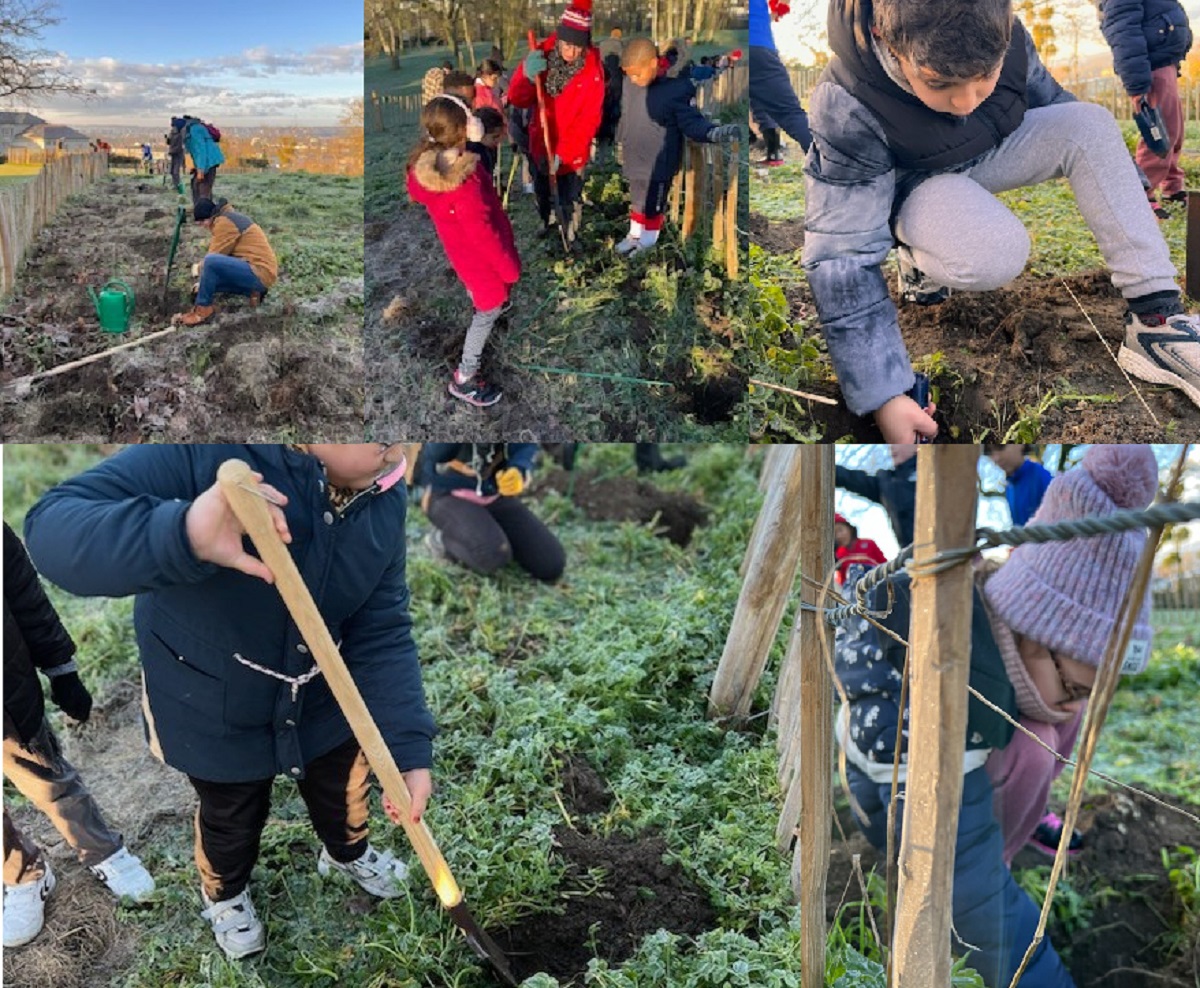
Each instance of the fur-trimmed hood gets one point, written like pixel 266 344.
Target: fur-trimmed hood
pixel 436 171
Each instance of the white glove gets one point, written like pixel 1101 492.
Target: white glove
pixel 474 128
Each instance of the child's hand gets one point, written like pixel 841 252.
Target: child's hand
pixel 420 788
pixel 902 420
pixel 534 64
pixel 216 534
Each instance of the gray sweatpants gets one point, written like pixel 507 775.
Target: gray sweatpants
pixel 477 337
pixel 959 234
pixel 44 777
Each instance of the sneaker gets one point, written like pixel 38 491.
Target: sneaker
pixel 918 288
pixel 528 188
pixel 378 872
pixel 1179 198
pixel 124 875
pixel 25 908
pixel 1049 832
pixel 238 930
pixel 474 391
pixel 1163 350
pixel 628 246
pixel 435 545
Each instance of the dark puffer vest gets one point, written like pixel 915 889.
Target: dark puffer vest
pixel 920 138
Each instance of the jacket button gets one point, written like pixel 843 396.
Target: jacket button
pixel 290 723
pixel 302 648
pixel 295 770
pixel 328 517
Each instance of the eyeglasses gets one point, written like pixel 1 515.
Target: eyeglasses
pixel 1073 691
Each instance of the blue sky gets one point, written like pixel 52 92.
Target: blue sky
pixel 235 62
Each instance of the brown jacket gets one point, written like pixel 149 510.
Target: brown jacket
pixel 237 235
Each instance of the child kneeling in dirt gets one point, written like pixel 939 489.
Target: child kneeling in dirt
pixel 231 696
pixel 657 112
pixel 471 496
pixel 456 188
pixel 927 109
pixel 1040 624
pixel 1059 600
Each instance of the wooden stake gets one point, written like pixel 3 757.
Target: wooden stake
pixel 769 579
pixel 731 209
pixel 22 383
pixel 806 717
pixel 940 659
pixel 378 111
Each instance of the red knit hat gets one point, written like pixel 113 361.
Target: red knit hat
pixel 840 518
pixel 575 28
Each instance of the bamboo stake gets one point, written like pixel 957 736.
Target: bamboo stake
pixel 940 644
pixel 764 595
pixel 731 207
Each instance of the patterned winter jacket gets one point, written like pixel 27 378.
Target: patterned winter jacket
pixel 869 665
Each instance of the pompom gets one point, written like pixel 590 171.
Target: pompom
pixel 585 5
pixel 1126 472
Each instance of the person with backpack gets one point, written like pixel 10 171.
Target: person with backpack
pixel 201 139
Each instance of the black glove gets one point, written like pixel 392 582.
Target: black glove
pixel 71 696
pixel 725 133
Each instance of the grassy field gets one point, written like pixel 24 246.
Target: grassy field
pixel 607 329
pixel 611 667
pixel 786 346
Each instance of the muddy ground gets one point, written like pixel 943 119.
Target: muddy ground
pixel 1133 937
pixel 674 515
pixel 284 370
pixel 1028 353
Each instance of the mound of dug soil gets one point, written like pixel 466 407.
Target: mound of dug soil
pixel 638 893
pixel 674 516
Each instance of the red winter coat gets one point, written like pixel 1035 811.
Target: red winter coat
pixel 573 115
pixel 862 552
pixel 471 224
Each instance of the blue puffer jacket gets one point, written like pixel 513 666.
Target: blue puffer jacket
pixel 205 152
pixel 869 665
pixel 1144 35
pixel 853 191
pixel 118 529
pixel 761 35
pixel 444 467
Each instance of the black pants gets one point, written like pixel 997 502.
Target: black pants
pixel 176 168
pixel 202 185
pixel 771 137
pixel 570 193
pixel 485 537
pixel 231 817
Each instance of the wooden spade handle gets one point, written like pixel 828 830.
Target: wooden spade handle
pixel 239 486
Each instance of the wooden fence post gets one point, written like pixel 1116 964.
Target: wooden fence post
pixel 378 110
pixel 806 719
pixel 939 663
pixel 769 578
pixel 718 200
pixel 731 208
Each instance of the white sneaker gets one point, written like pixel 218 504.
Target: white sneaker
pixel 1163 350
pixel 238 930
pixel 628 246
pixel 25 908
pixel 125 875
pixel 378 872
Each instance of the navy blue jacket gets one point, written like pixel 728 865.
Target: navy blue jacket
pixel 444 467
pixel 895 490
pixel 651 135
pixel 1144 35
pixel 118 529
pixel 869 665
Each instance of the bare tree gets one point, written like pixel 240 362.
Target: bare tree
pixel 25 68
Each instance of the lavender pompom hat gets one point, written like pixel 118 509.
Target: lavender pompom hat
pixel 1066 595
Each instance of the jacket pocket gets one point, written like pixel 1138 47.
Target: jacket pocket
pixel 174 681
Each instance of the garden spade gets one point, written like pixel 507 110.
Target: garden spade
pixel 180 214
pixel 551 158
pixel 250 506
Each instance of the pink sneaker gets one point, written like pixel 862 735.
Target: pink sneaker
pixel 1049 832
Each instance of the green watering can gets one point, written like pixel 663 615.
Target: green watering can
pixel 114 306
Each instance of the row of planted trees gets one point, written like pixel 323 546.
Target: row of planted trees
pixel 394 25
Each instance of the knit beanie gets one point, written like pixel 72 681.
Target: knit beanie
pixel 575 28
pixel 1065 595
